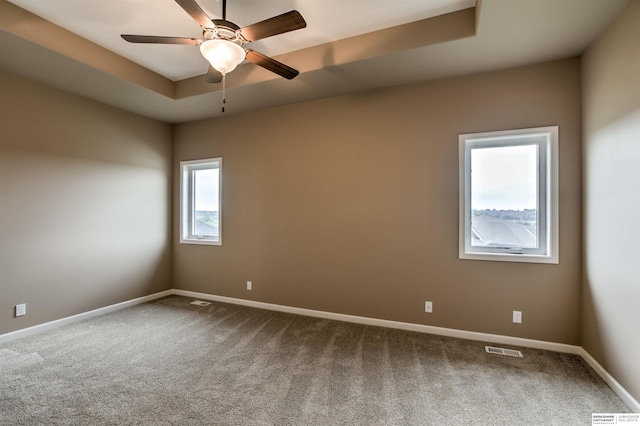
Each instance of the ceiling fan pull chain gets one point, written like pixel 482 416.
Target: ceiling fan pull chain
pixel 224 89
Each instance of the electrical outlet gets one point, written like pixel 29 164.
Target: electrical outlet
pixel 517 317
pixel 21 310
pixel 249 285
pixel 428 307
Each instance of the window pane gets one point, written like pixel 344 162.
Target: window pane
pixel 206 207
pixel 504 193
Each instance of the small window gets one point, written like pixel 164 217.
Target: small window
pixel 200 218
pixel 509 195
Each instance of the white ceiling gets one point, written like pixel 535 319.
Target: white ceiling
pixel 510 33
pixel 103 21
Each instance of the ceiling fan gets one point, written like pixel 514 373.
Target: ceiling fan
pixel 222 40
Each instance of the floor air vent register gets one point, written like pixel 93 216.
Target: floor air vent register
pixel 502 351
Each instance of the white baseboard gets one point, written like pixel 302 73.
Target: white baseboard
pixel 613 383
pixel 450 332
pixel 79 317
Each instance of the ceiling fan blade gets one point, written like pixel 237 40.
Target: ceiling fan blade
pixel 277 25
pixel 271 64
pixel 196 12
pixel 213 75
pixel 132 38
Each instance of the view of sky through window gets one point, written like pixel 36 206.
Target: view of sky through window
pixel 504 178
pixel 206 189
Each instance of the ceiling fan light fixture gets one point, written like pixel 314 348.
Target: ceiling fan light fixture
pixel 223 55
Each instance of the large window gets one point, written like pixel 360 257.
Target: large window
pixel 509 195
pixel 200 214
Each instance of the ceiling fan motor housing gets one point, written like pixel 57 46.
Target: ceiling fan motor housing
pixel 224 30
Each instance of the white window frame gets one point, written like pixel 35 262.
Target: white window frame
pixel 187 201
pixel 547 140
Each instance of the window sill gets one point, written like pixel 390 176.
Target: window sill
pixel 509 257
pixel 201 241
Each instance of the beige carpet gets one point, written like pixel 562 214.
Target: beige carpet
pixel 168 362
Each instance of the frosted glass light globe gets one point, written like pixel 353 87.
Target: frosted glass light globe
pixel 223 55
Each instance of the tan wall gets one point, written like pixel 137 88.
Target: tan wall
pixel 611 292
pixel 350 205
pixel 84 204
